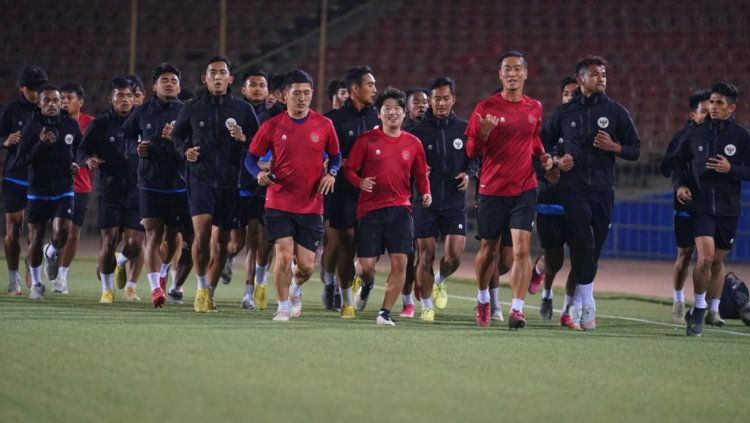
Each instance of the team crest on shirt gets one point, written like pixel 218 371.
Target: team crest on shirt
pixel 314 137
pixel 603 122
pixel 532 119
pixel 572 124
pixel 283 137
pixel 229 122
pixel 405 155
pixel 458 143
pixel 68 139
pixel 111 139
pixel 730 149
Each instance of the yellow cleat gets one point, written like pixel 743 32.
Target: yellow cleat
pixel 200 305
pixel 347 312
pixel 121 276
pixel 212 305
pixel 428 315
pixel 261 301
pixel 440 296
pixel 356 284
pixel 108 297
pixel 131 294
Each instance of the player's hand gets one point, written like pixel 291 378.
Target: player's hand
pixel 367 184
pixel 684 195
pixel 74 168
pixel 47 138
pixel 142 149
pixel 566 162
pixel 236 132
pixel 264 165
pixel 546 161
pixel 326 184
pixel 463 181
pixel 604 142
pixel 486 125
pixel 718 164
pixel 94 162
pixel 552 175
pixel 264 178
pixel 12 139
pixel 166 132
pixel 426 200
pixel 192 153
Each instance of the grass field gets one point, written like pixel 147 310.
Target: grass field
pixel 67 358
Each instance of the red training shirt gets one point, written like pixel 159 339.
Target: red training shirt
pixel 392 161
pixel 82 180
pixel 507 170
pixel 297 150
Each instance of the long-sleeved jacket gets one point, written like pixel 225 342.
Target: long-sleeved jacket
pixel 105 139
pixel 49 165
pixel 203 123
pixel 15 116
pixel 548 193
pixel 668 163
pixel 713 192
pixel 577 123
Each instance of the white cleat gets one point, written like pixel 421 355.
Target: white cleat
pixel 37 292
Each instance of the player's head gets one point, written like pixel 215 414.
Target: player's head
pixel 391 106
pixel 72 97
pixel 218 76
pixel 591 75
pixel 255 86
pixel 442 96
pixel 166 79
pixel 121 96
pixel 723 100
pixel 360 81
pixel 276 92
pixel 49 99
pixel 513 71
pixel 698 103
pixel 417 103
pixel 568 86
pixel 139 90
pixel 29 80
pixel 337 93
pixel 299 90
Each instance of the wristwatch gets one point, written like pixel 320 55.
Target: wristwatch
pixel 333 172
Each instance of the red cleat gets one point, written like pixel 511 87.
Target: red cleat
pixel 536 279
pixel 483 315
pixel 408 311
pixel 163 282
pixel 566 320
pixel 158 298
pixel 516 320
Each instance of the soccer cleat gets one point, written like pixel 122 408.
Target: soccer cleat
pixel 497 314
pixel 200 305
pixel 226 272
pixel 356 283
pixel 440 296
pixel 545 311
pixel 483 315
pixel 174 296
pixel 714 319
pixel 363 295
pixel 248 303
pixel 131 294
pixel 516 320
pixel 536 278
pixel 60 286
pixel 347 312
pixel 384 320
pixel 163 283
pixel 678 313
pixel 567 321
pixel 158 298
pixel 695 321
pixel 428 315
pixel 121 276
pixel 14 289
pixel 327 296
pixel 37 292
pixel 212 305
pixel 588 318
pixel 408 311
pixel 261 301
pixel 295 304
pixel 108 297
pixel 281 316
pixel 336 299
pixel 51 264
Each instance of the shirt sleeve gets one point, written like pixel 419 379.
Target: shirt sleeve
pixel 538 148
pixel 260 144
pixel 354 163
pixel 628 138
pixel 742 170
pixel 419 171
pixel 474 144
pixel 88 143
pixel 181 131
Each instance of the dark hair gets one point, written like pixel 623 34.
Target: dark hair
pixel 121 82
pixel 47 87
pixel 587 61
pixel 443 81
pixel 727 90
pixel 162 69
pixel 186 94
pixel 698 97
pixel 32 77
pixel 514 53
pixel 73 87
pixel 216 59
pixel 333 87
pixel 297 76
pixel 254 72
pixel 393 93
pixel 567 80
pixel 135 83
pixel 354 75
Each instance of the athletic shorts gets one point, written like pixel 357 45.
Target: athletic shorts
pixel 42 211
pixel 506 240
pixel 341 210
pixel 219 203
pixel 81 206
pixel 497 213
pixel 249 207
pixel 723 229
pixel 14 196
pixel 683 229
pixel 430 223
pixel 390 229
pixel 306 229
pixel 118 211
pixel 552 229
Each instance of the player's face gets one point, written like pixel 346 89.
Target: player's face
pixel 49 102
pixel 417 105
pixel 513 73
pixel 139 97
pixel 167 86
pixel 217 78
pixel 442 101
pixel 298 98
pixel 719 107
pixel 71 103
pixel 567 93
pixel 700 113
pixel 366 90
pixel 593 80
pixel 122 101
pixel 391 113
pixel 341 95
pixel 30 95
pixel 255 89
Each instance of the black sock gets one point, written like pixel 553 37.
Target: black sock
pixel 384 313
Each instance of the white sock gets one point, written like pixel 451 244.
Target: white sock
pixel 130 285
pixel 105 280
pixel 438 278
pixel 495 297
pixel 202 281
pixel 14 276
pixel 121 259
pixel 536 268
pixel 587 294
pixel 483 297
pixel 408 300
pixel 294 271
pixel 284 305
pixel 327 278
pixel 249 290
pixel 62 273
pixel 427 304
pixel 700 300
pixel 173 274
pixel 261 274
pixel 577 299
pixel 566 303
pixel 346 295
pixel 36 275
pixel 547 294
pixel 714 306
pixel 679 296
pixel 164 270
pixel 295 289
pixel 153 280
pixel 517 305
pixel 50 251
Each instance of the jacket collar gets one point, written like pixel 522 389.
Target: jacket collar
pixel 721 125
pixel 433 120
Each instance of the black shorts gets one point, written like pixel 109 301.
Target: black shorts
pixel 506 240
pixel 497 213
pixel 389 229
pixel 306 229
pixel 552 229
pixel 683 229
pixel 723 229
pixel 41 211
pixel 115 211
pixel 250 207
pixel 219 203
pixel 341 210
pixel 81 206
pixel 430 223
pixel 14 196
pixel 169 206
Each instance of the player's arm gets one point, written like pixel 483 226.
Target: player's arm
pixel 474 142
pixel 627 138
pixel 742 170
pixel 181 132
pixel 259 147
pixel 419 173
pixel 353 164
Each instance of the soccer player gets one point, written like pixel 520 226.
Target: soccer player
pixel 417 103
pixel 276 100
pixel 504 130
pixel 140 89
pixel 354 118
pixel 210 134
pixel 104 147
pixel 255 89
pixel 48 146
pixel 15 174
pixel 297 181
pixel 595 131
pixel 337 93
pixel 698 103
pixel 717 159
pixel 382 163
pixel 162 190
pixel 441 133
